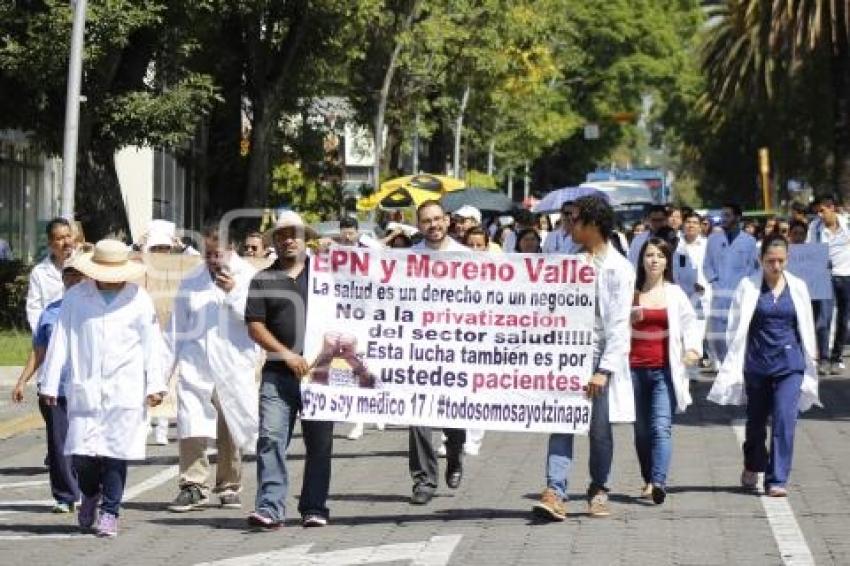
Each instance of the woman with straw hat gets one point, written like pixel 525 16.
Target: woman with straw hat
pixel 108 336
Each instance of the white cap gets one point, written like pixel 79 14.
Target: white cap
pixel 160 233
pixel 467 211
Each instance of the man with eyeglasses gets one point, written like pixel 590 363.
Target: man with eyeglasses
pixel 561 241
pixel 253 245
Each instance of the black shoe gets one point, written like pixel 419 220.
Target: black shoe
pixel 658 494
pixel 421 495
pixel 454 474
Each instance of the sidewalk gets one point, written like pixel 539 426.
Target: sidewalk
pixel 15 419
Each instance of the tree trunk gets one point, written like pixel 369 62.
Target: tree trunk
pixel 464 100
pixel 262 135
pixel 98 197
pixel 841 83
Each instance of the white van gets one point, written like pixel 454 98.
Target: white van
pixel 631 199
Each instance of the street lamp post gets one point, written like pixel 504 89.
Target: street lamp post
pixel 72 109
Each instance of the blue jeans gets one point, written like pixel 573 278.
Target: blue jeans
pixel 775 397
pixel 655 401
pixel 280 402
pixel 104 477
pixel 559 456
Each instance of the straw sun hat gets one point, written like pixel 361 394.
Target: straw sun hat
pixel 109 263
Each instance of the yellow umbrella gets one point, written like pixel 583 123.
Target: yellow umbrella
pixel 432 185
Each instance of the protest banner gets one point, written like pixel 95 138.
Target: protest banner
pixel 810 262
pixel 457 339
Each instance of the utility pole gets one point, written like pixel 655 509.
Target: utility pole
pixel 764 173
pixel 72 109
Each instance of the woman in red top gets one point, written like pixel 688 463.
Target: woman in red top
pixel 663 342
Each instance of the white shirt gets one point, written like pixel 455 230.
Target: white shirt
pixel 45 287
pixel 448 245
pixel 558 242
pixel 838 243
pixel 509 245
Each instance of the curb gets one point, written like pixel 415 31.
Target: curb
pixel 20 425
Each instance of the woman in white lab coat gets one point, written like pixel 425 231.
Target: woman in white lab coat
pixel 664 340
pixel 108 336
pixel 770 364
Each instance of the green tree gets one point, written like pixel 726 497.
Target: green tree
pixel 789 63
pixel 137 89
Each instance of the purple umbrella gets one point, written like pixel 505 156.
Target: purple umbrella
pixel 553 201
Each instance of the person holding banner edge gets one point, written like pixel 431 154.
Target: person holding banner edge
pixel 610 386
pixel 433 223
pixel 276 315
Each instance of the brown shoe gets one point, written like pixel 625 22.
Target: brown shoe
pixel 550 506
pixel 597 504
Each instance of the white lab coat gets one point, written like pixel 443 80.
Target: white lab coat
pixel 728 388
pixel 725 266
pixel 617 286
pixel 213 352
pixel 45 286
pixel 683 334
pixel 696 254
pixel 113 352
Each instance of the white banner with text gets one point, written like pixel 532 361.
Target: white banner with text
pixel 449 339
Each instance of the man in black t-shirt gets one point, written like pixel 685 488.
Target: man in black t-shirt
pixel 276 313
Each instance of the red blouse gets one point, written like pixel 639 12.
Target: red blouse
pixel 649 340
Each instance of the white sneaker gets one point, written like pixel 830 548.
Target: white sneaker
pixel 356 432
pixel 160 432
pixel 472 448
pixel 380 426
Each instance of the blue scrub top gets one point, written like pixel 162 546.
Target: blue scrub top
pixel 41 338
pixel 773 347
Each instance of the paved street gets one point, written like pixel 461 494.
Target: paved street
pixel 706 520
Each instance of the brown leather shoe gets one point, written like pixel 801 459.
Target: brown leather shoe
pixel 550 506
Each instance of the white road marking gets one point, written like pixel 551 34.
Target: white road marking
pixel 434 552
pixel 131 493
pixel 786 531
pixel 22 484
pixel 151 483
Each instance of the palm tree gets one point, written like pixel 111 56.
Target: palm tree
pixel 754 47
